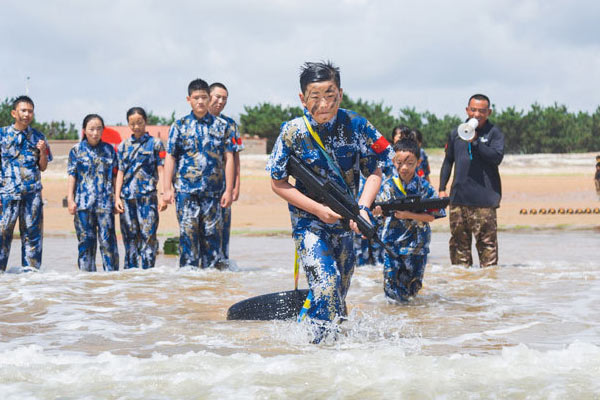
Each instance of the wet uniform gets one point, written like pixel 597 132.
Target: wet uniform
pixel 475 194
pixel 326 251
pixel 139 160
pixel 227 211
pixel 21 194
pixel 198 148
pixel 403 276
pixel 94 168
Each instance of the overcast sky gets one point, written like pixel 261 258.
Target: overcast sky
pixel 106 56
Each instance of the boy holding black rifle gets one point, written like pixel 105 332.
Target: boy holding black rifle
pixel 333 143
pixel 406 232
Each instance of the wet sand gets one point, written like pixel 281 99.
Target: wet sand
pixel 535 181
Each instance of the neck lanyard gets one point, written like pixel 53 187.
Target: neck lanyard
pixel 330 161
pixel 399 184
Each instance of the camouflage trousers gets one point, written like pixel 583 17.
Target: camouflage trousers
pixel 226 231
pixel 200 231
pixel 466 222
pixel 139 223
pixel 403 276
pixel 29 211
pixel 94 227
pixel 328 258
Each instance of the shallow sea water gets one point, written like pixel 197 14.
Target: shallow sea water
pixel 529 328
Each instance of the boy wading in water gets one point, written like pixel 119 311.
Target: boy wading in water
pixel 341 145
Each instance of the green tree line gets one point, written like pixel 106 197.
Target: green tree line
pixel 552 129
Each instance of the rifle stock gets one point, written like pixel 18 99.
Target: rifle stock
pixel 331 194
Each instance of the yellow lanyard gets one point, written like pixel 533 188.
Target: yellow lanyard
pixel 313 133
pixel 398 183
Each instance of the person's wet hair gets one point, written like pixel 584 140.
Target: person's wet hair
pixel 198 84
pixel 408 144
pixel 137 110
pixel 312 72
pixel 22 99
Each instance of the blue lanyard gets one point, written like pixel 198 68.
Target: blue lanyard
pixel 470 152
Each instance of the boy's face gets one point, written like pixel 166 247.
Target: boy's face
pixel 199 100
pixel 93 131
pixel 218 101
pixel 322 100
pixel 23 115
pixel 406 164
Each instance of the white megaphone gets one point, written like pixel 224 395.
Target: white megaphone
pixel 466 130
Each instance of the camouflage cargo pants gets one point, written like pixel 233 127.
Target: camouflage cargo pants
pixel 466 222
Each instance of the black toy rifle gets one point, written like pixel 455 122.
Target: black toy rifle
pixel 412 203
pixel 326 191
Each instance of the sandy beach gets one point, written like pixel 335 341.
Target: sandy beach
pixel 529 181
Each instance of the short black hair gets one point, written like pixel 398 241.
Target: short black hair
pixel 90 117
pixel 137 110
pixel 323 71
pixel 408 144
pixel 217 85
pixel 479 96
pixel 22 99
pixel 198 84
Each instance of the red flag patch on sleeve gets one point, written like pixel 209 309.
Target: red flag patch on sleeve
pixel 380 145
pixel 233 140
pixel 239 141
pixel 162 154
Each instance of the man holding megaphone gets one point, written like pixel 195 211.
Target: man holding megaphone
pixel 477 149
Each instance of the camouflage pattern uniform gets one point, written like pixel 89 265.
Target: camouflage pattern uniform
pixel 227 210
pixel 94 168
pixel 423 169
pixel 326 251
pixel 139 160
pixel 21 194
pixel 198 147
pixel 466 222
pixel 403 276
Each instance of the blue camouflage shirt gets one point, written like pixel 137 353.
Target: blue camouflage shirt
pixel 407 236
pixel 19 169
pixel 423 169
pixel 349 139
pixel 139 160
pixel 93 169
pixel 198 147
pixel 237 139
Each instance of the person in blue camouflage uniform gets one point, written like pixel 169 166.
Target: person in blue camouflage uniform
pixel 218 100
pixel 324 245
pixel 140 159
pixel 406 232
pixel 24 153
pixel 423 169
pixel 199 163
pixel 92 168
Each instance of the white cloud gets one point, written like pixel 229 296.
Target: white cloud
pixel 105 56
